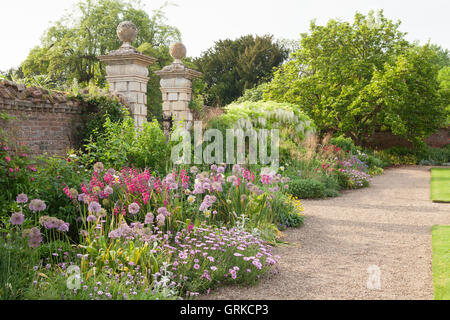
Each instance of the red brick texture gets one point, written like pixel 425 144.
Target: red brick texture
pixel 45 122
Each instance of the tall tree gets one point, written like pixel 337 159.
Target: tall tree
pixel 69 49
pixel 231 66
pixel 362 77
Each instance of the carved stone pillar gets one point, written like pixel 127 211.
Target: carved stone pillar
pixel 176 88
pixel 127 72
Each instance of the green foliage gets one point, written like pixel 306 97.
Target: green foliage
pixel 355 79
pixel 122 145
pixel 293 124
pixel 150 149
pixel 254 94
pixel 97 106
pixel 268 115
pixel 423 156
pixel 345 144
pixel 16 175
pixel 400 155
pixel 52 176
pixel 70 47
pixel 444 80
pixel 288 210
pixel 16 266
pixel 307 188
pixel 154 97
pixel 232 66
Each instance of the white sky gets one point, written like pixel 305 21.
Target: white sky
pixel 202 22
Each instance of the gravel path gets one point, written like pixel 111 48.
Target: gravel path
pixel 387 225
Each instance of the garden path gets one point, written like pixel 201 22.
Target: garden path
pixel 387 225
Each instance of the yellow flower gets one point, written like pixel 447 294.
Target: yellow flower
pixel 191 199
pixel 207 213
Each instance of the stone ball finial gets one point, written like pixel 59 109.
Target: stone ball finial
pixel 178 51
pixel 127 32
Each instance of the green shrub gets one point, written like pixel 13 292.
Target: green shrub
pixel 345 144
pixel 121 145
pixel 307 188
pixel 52 177
pixel 288 211
pixel 16 267
pixel 292 123
pixel 330 181
pixel 424 156
pixel 436 156
pixel 17 172
pixel 254 94
pixel 331 193
pixel 98 104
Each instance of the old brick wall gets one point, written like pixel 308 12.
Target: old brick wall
pixel 384 140
pixel 45 122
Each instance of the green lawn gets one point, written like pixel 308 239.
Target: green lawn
pixel 440 184
pixel 440 243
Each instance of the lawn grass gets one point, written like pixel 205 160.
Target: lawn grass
pixel 440 184
pixel 440 242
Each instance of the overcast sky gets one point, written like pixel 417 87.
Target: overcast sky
pixel 202 22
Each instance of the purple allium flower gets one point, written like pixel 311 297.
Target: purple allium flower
pixel 35 238
pixel 91 218
pixel 194 169
pixel 81 197
pixel 149 218
pixel 37 205
pixel 108 190
pixel 133 208
pixel 99 167
pixel 17 218
pixel 22 198
pixel 124 231
pixel 94 207
pixel 163 211
pixel 160 219
pixel 63 227
pixel 236 169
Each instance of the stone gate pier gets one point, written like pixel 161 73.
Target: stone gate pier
pixel 127 72
pixel 176 89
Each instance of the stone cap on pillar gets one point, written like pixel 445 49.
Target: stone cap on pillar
pixel 127 54
pixel 177 69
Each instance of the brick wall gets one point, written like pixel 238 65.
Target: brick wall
pixel 45 122
pixel 384 140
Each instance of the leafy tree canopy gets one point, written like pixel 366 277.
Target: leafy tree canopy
pixel 69 49
pixel 231 66
pixel 355 79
